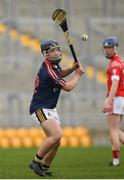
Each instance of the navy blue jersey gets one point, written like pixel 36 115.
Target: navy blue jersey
pixel 48 84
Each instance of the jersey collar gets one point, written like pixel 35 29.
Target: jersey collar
pixel 50 64
pixel 116 57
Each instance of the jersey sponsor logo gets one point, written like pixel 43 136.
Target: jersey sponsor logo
pixel 115 64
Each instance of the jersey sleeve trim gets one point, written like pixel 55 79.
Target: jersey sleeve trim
pixel 115 77
pixel 54 76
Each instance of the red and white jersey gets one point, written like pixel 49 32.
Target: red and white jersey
pixel 115 71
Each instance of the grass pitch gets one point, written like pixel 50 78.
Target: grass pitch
pixel 70 163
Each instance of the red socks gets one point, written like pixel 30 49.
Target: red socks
pixel 115 154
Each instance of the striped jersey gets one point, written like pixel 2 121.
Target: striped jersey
pixel 115 71
pixel 48 85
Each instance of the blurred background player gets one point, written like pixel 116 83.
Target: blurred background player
pixel 114 103
pixel 48 84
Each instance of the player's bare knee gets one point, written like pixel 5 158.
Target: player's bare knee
pixel 57 137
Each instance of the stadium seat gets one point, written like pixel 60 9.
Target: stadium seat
pixel 2 133
pixel 80 131
pixel 33 132
pixel 27 142
pixel 15 142
pixel 85 141
pixel 10 132
pixel 64 142
pixel 4 142
pixel 35 45
pixel 73 141
pixel 22 132
pixel 25 40
pixel 3 28
pixel 101 77
pixel 90 72
pixel 13 34
pixel 67 131
pixel 37 141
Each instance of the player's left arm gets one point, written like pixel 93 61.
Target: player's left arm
pixel 69 70
pixel 108 105
pixel 113 90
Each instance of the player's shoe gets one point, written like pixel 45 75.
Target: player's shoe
pixel 114 165
pixel 37 168
pixel 47 172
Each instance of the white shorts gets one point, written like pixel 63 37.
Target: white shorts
pixel 43 114
pixel 118 106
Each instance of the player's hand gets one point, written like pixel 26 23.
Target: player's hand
pixel 108 106
pixel 79 71
pixel 75 65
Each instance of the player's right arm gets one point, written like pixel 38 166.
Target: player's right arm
pixel 69 70
pixel 69 85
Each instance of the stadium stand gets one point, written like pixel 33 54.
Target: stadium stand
pixel 33 137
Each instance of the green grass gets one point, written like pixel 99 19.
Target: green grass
pixel 70 163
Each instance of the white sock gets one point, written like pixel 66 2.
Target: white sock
pixel 116 162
